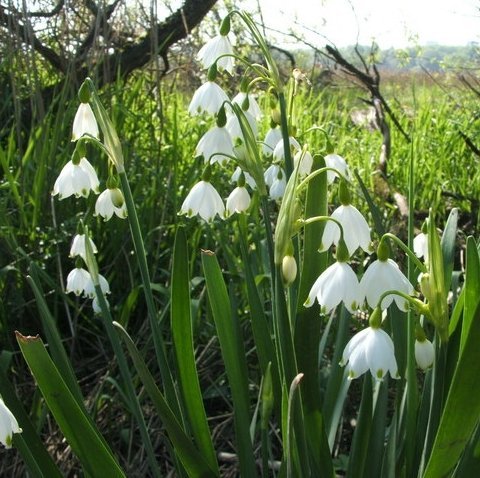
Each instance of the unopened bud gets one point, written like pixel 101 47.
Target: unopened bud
pixel 289 269
pixel 424 353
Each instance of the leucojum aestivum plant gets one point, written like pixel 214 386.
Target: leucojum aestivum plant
pixel 338 306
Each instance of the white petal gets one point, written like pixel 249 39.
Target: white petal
pixel 213 49
pixel 208 98
pixel 77 280
pixel 215 145
pixel 84 122
pixel 273 136
pixel 238 200
pixel 337 162
pixel 8 425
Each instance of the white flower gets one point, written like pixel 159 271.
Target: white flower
pixel 420 246
pixel 277 189
pixel 78 247
pixel 248 178
pixel 271 174
pixel 356 231
pixel 253 108
pixel 306 162
pixel 214 48
pixel 90 287
pixel 109 202
pixel 372 349
pixel 215 145
pixel 335 284
pixel 273 136
pixel 382 276
pixel 204 200
pixel 424 354
pixel 77 281
pixel 76 179
pixel 337 162
pixel 209 98
pixel 238 200
pixel 234 128
pixel 84 122
pixel 279 150
pixel 8 425
pixel 96 306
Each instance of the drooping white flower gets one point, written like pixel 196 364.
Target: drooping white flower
pixel 356 231
pixel 271 174
pixel 84 122
pixel 335 284
pixel 77 281
pixel 253 107
pixel 8 425
pixel 78 246
pixel 238 200
pixel 90 287
pixel 382 276
pixel 204 200
pixel 215 145
pixel 306 162
pixel 424 353
pixel 279 150
pixel 420 246
pixel 109 202
pixel 213 49
pixel 371 349
pixel 209 98
pixel 248 178
pixel 279 184
pixel 234 128
pixel 78 179
pixel 273 136
pixel 339 163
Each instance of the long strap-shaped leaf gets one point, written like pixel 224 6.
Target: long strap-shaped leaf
pixel 462 408
pixel 181 320
pixel 194 463
pixel 97 460
pixel 234 357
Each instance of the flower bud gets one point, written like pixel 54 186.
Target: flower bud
pixel 424 353
pixel 289 269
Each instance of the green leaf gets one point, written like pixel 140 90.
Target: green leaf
pixel 181 322
pixel 462 408
pixel 191 458
pixel 233 354
pixel 97 460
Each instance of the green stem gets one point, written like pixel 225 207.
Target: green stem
pixel 420 306
pixel 127 379
pixel 285 135
pixel 406 249
pixel 152 311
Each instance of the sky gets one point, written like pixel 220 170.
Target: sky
pixel 391 23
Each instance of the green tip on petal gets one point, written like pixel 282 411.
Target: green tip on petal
pixel 379 374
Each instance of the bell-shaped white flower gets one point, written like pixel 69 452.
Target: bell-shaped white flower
pixel 356 231
pixel 273 136
pixel 271 174
pixel 238 200
pixel 78 179
pixel 90 287
pixel 335 284
pixel 215 145
pixel 304 162
pixel 215 48
pixel 248 178
pixel 110 202
pixel 77 280
pixel 382 276
pixel 279 150
pixel 253 107
pixel 208 98
pixel 204 200
pixel 78 246
pixel 420 246
pixel 371 349
pixel 8 425
pixel 279 184
pixel 84 122
pixel 339 163
pixel 424 353
pixel 234 128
